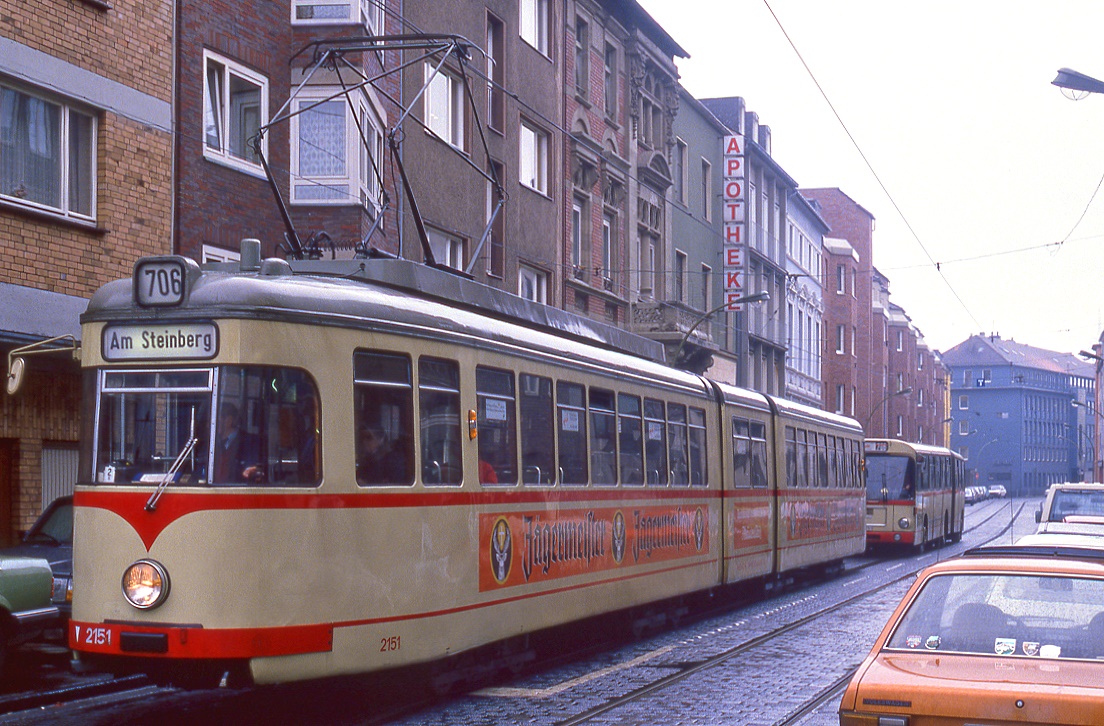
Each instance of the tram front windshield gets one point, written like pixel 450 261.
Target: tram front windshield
pixel 889 478
pixel 154 426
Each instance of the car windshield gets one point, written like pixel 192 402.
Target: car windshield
pixel 57 527
pixel 1047 616
pixel 889 477
pixel 1076 502
pixel 158 424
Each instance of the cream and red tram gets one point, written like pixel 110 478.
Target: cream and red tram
pixel 300 469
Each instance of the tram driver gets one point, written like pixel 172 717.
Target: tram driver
pixel 237 458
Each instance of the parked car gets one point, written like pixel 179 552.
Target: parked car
pixel 997 491
pixel 25 607
pixel 1074 507
pixel 1011 634
pixel 51 538
pixel 975 494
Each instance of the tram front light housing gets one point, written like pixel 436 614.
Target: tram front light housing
pixel 904 523
pixel 146 584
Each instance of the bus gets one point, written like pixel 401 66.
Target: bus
pixel 914 494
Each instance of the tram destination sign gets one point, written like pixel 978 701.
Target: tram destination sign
pixel 184 341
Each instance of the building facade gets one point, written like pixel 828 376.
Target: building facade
pixel 85 189
pixel 1014 418
pixel 804 302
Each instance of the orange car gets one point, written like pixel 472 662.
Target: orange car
pixel 1001 635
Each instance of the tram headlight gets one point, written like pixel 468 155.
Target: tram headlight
pixel 145 584
pixel 904 523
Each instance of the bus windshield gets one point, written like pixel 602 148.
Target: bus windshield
pixel 890 477
pixel 154 424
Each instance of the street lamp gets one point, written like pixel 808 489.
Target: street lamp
pixel 903 392
pixel 1074 81
pixel 754 298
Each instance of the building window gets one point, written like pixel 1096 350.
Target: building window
pixel 900 426
pixel 963 403
pixel 609 232
pixel 368 13
pixel 706 287
pixel 582 58
pixel 444 106
pixel 447 249
pixel 841 339
pixel 496 239
pixel 840 403
pixel 210 253
pixel 610 81
pixel 963 427
pixel 533 148
pixel 47 155
pixel 496 74
pixel 330 162
pixel 841 279
pixel 533 19
pixel 532 284
pixel 707 190
pixel 577 237
pixel 900 341
pixel 678 174
pixel 235 106
pixel 679 291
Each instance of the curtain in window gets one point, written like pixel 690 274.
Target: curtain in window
pixel 30 165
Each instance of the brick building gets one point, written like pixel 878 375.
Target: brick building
pixel 85 189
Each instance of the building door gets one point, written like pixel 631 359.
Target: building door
pixel 7 490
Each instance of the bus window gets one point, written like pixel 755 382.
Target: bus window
pixel 383 418
pixel 741 453
pixel 699 470
pixel 889 478
pixel 497 430
pixel 603 437
pixel 572 429
pixel 678 444
pixel 655 442
pixel 439 421
pixel 630 444
pixel 538 450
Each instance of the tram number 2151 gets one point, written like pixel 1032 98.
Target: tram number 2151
pixel 390 643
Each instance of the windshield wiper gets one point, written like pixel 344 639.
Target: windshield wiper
pixel 151 503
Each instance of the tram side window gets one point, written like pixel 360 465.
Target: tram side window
pixel 791 457
pixel 822 460
pixel 383 418
pixel 630 445
pixel 655 442
pixel 497 429
pixel 538 437
pixel 603 437
pixel 830 450
pixel 439 420
pixel 741 453
pixel 572 426
pixel 699 470
pixel 268 430
pixel 808 454
pixel 759 459
pixel 678 444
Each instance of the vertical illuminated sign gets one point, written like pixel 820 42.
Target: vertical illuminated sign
pixel 734 220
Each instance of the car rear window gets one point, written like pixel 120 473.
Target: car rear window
pixel 1076 502
pixel 1048 616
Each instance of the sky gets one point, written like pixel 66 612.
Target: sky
pixel 982 177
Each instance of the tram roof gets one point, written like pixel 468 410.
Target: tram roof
pixel 396 293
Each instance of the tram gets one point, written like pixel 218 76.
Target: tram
pixel 295 469
pixel 915 494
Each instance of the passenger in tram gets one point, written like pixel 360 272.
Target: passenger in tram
pixel 487 473
pixel 380 461
pixel 307 463
pixel 237 458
